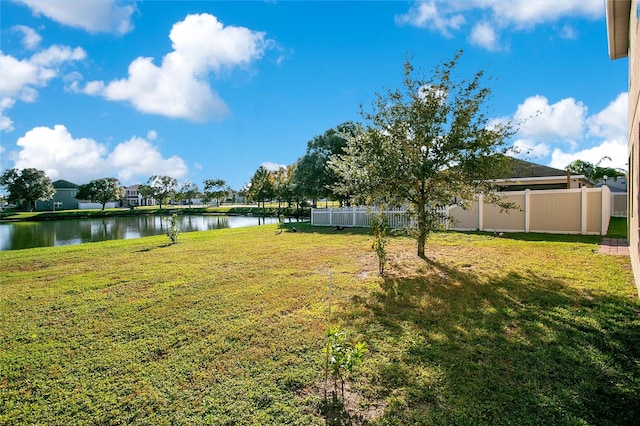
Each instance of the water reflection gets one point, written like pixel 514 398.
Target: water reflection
pixel 21 235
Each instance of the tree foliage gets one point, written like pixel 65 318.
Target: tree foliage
pixel 424 145
pixel 27 185
pixel 101 191
pixel 313 177
pixel 215 189
pixel 594 172
pixel 160 188
pixel 188 191
pixel 260 188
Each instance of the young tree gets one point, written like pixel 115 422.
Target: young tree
pixel 160 188
pixel 426 144
pixel 215 189
pixel 28 185
pixel 100 191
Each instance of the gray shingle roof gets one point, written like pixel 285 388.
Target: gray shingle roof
pixel 64 184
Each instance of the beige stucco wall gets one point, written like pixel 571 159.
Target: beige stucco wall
pixel 619 204
pixel 464 219
pixel 594 212
pixel 554 211
pixel 634 142
pixel 511 220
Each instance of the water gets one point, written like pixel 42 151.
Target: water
pixel 21 235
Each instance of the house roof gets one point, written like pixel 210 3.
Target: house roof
pixel 618 17
pixel 64 184
pixel 526 169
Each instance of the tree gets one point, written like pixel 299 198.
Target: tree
pixel 283 184
pixel 188 191
pixel 28 185
pixel 313 177
pixel 100 191
pixel 160 188
pixel 426 144
pixel 215 189
pixel 260 188
pixel 594 172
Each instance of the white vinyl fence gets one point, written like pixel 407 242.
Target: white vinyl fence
pixel 565 211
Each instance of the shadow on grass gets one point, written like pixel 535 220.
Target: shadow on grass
pixel 307 228
pixel 514 348
pixel 146 249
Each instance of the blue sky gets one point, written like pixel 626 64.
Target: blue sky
pixel 212 90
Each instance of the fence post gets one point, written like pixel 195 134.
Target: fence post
pixel 606 201
pixel 480 212
pixel 312 217
pixel 583 211
pixel 527 210
pixel 353 218
pixel 330 216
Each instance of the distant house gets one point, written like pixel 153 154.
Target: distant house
pixel 616 184
pixel 526 175
pixel 64 197
pixel 132 197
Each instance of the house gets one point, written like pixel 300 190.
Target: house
pixel 132 197
pixel 526 175
pixel 623 34
pixel 64 197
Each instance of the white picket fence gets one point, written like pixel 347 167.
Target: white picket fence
pixel 357 217
pixel 564 211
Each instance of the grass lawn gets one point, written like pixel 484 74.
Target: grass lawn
pixel 227 326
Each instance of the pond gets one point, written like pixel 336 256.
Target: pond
pixel 22 235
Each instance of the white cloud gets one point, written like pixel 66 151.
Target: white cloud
pixel 6 124
pixel 137 157
pixel 527 13
pixel 179 87
pixel 611 122
pixel 426 14
pixel 152 135
pixel 80 160
pixel 564 120
pixel 528 148
pixel 20 77
pixel 490 17
pixel 95 16
pixel 30 38
pixel 614 149
pixel 272 167
pixel 564 132
pixel 484 35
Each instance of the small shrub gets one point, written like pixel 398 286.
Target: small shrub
pixel 173 230
pixel 380 240
pixel 341 357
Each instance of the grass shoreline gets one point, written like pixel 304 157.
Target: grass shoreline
pixel 227 326
pixel 144 211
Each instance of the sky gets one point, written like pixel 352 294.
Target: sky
pixel 213 90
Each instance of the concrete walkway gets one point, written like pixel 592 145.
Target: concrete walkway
pixel 615 246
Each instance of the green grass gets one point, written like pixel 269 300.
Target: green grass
pixel 617 227
pixel 227 327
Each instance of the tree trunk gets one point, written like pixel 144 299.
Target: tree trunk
pixel 422 238
pixel 422 234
